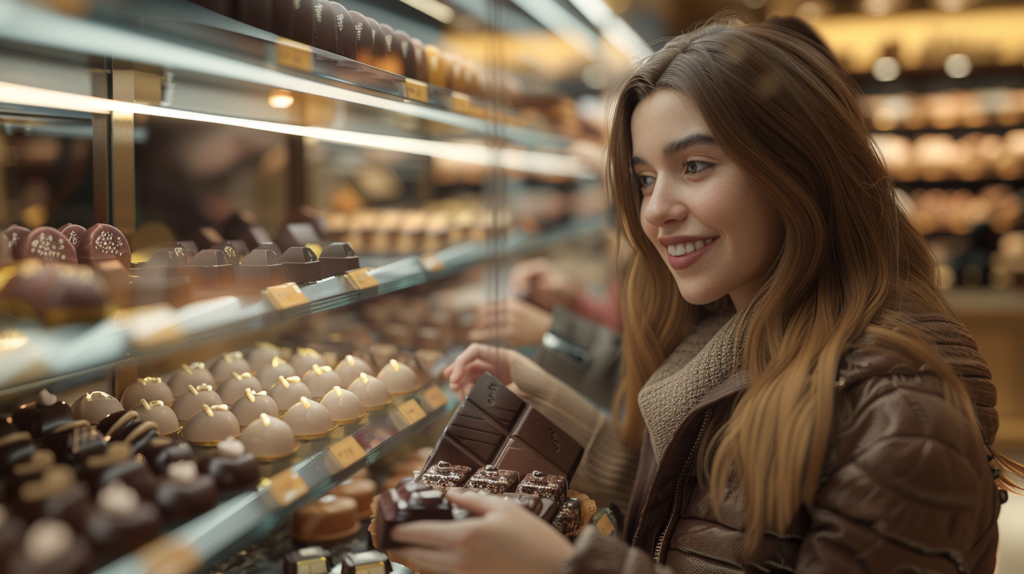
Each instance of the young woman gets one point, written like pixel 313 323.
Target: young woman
pixel 797 396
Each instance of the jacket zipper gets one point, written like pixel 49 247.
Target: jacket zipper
pixel 679 488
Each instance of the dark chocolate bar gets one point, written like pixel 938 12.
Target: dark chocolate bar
pixel 537 444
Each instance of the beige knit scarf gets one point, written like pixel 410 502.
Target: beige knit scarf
pixel 703 360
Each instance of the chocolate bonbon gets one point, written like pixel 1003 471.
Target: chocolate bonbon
pixel 344 406
pixel 550 486
pixel 95 405
pixel 309 419
pixel 262 354
pixel 287 391
pixel 103 242
pixel 407 503
pixel 159 413
pixel 300 265
pixel 15 233
pixel 185 492
pixel 272 372
pixel 347 42
pixel 46 244
pixel 75 234
pixel 227 363
pixel 325 28
pixel 350 368
pixel 260 269
pixel 149 388
pixel 371 392
pixel 211 425
pixel 338 258
pixel 269 438
pixel 364 37
pixel 191 403
pixel 234 387
pixel 399 378
pixel 444 475
pixel 47 414
pixel 368 562
pixel 117 462
pixel 304 358
pixel 211 268
pixel 362 490
pixel 162 451
pixel 195 375
pixel 122 521
pixel 321 380
pixel 309 560
pixel 252 405
pixel 494 480
pixel 52 546
pixel 232 466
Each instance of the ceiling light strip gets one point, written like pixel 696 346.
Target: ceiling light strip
pixel 613 28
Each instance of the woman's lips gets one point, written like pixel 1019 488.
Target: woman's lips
pixel 683 261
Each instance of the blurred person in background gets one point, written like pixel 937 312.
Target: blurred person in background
pixel 796 394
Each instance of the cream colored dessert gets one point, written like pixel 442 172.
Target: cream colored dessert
pixel 309 419
pixel 371 392
pixel 344 406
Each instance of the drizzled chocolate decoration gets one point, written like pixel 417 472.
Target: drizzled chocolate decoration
pixel 445 475
pixel 494 480
pixel 550 486
pixel 162 451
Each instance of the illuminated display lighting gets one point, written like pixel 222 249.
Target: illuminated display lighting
pixel 886 69
pixel 280 99
pixel 441 12
pixel 957 66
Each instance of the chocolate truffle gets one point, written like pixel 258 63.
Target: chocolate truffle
pixel 330 518
pixel 46 244
pixel 347 43
pixel 122 521
pixel 48 414
pixel 399 378
pixel 116 425
pixel 211 425
pixel 362 490
pixel 234 387
pixel 338 259
pixel 304 358
pixel 56 493
pixel 15 233
pixel 371 392
pixel 162 450
pixel 350 368
pixel 364 37
pixel 191 403
pixel 195 375
pixel 149 388
pixel 445 475
pixel 222 368
pixel 118 462
pixel 77 444
pixel 550 486
pixel 321 380
pixel 95 405
pixel 158 412
pixel 75 234
pixel 309 419
pixel 252 405
pixel 103 242
pixel 185 493
pixel 270 374
pixel 344 406
pixel 261 355
pixel 14 448
pixel 269 438
pixel 52 546
pixel 29 469
pixel 260 269
pixel 301 265
pixel 211 268
pixel 232 466
pixel 287 391
pixel 494 480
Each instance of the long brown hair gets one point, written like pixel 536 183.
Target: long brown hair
pixel 851 263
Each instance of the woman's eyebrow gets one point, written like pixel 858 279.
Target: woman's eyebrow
pixel 679 145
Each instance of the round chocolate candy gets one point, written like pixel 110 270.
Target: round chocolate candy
pixel 371 392
pixel 321 380
pixel 210 426
pixel 261 355
pixel 270 374
pixel 158 412
pixel 94 406
pixel 234 387
pixel 350 368
pixel 103 242
pixel 226 364
pixel 252 405
pixel 344 406
pixel 122 521
pixel 309 419
pixel 149 388
pixel 269 438
pixel 287 391
pixel 51 545
pixel 15 233
pixel 191 403
pixel 364 37
pixel 163 450
pixel 304 358
pixel 194 375
pixel 232 466
pixel 185 492
pixel 46 244
pixel 347 42
pixel 399 378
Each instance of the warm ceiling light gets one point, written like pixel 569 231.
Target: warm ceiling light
pixel 280 99
pixel 886 69
pixel 880 8
pixel 957 66
pixel 952 5
pixel 443 13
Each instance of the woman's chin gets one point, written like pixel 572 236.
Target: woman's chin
pixel 700 296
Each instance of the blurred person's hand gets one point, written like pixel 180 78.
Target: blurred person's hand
pixel 516 322
pixel 540 282
pixel 478 359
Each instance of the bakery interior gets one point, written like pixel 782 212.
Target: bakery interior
pixel 242 244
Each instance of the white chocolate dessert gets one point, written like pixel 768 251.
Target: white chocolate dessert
pixel 189 404
pixel 321 380
pixel 344 406
pixel 95 405
pixel 350 367
pixel 269 438
pixel 252 405
pixel 276 369
pixel 309 419
pixel 233 387
pixel 149 388
pixel 226 364
pixel 371 392
pixel 161 414
pixel 287 391
pixel 261 354
pixel 194 375
pixel 211 425
pixel 304 358
pixel 399 378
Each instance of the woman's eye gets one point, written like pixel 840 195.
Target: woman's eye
pixel 644 181
pixel 695 167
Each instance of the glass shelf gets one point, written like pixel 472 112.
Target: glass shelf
pixel 287 484
pixel 88 351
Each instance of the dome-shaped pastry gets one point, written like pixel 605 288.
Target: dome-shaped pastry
pixel 158 412
pixel 189 404
pixel 344 406
pixel 252 405
pixel 232 466
pixel 371 392
pixel 399 378
pixel 222 368
pixel 261 354
pixel 194 375
pixel 287 391
pixel 309 419
pixel 233 388
pixel 149 388
pixel 328 519
pixel 304 358
pixel 210 426
pixel 94 406
pixel 269 438
pixel 277 368
pixel 348 369
pixel 321 380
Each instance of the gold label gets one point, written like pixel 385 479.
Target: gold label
pixel 461 103
pixel 168 555
pixel 361 278
pixel 294 55
pixel 412 411
pixel 416 90
pixel 431 263
pixel 286 487
pixel 347 452
pixel 435 397
pixel 285 296
pixel 604 526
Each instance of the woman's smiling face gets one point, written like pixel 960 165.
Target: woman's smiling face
pixel 717 233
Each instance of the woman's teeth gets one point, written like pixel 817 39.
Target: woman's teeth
pixel 678 249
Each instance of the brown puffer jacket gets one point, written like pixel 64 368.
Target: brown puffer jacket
pixel 907 485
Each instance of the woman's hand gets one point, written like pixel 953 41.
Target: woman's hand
pixel 541 283
pixel 516 322
pixel 502 537
pixel 478 359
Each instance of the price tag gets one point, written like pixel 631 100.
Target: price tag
pixel 168 555
pixel 412 411
pixel 416 90
pixel 461 103
pixel 347 452
pixel 604 525
pixel 287 486
pixel 431 263
pixel 435 397
pixel 285 296
pixel 361 278
pixel 294 55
